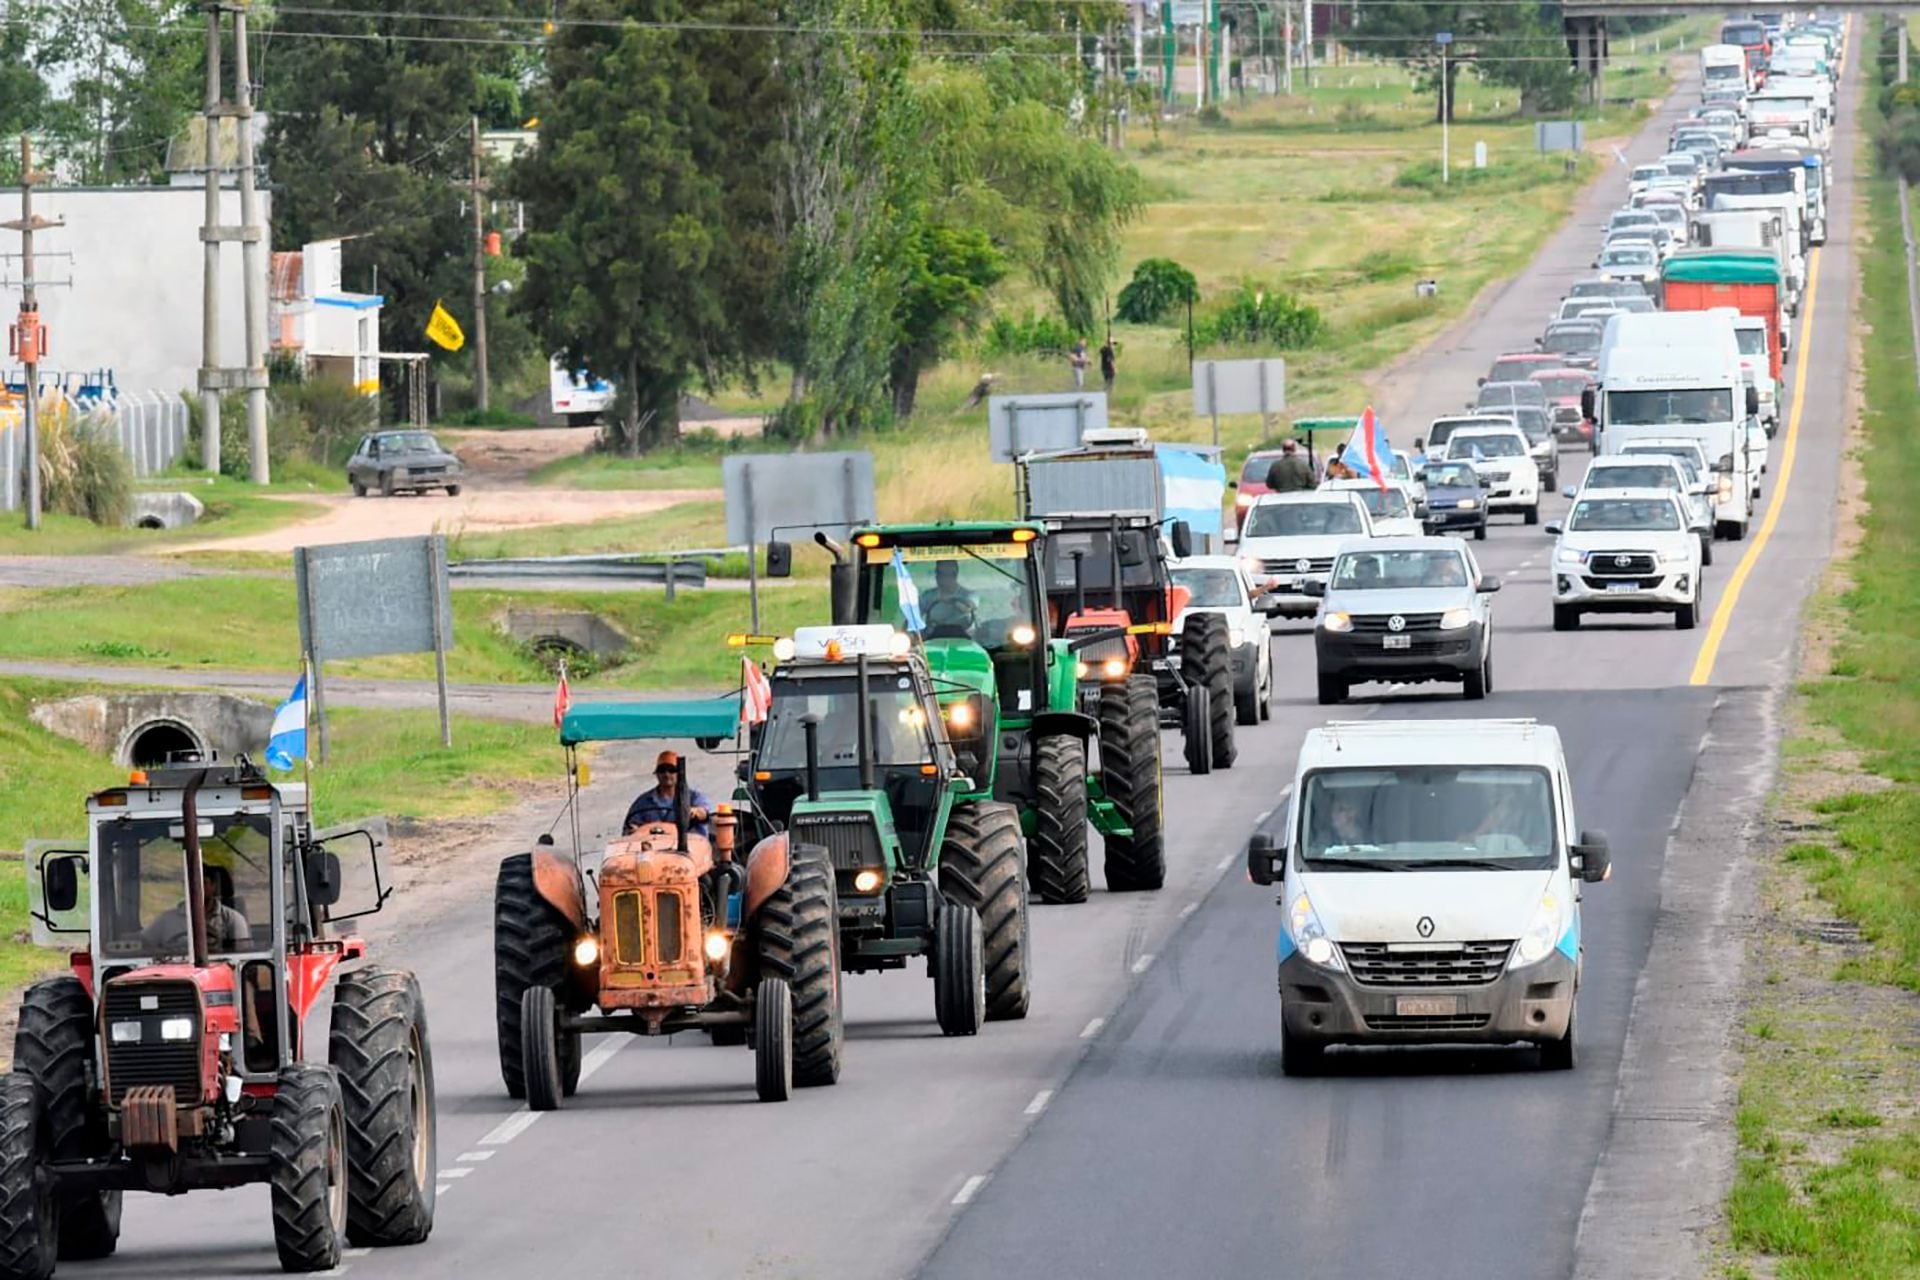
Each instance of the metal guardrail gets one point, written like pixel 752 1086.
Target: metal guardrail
pixel 668 569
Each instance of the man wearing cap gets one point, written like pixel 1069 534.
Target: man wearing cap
pixel 658 804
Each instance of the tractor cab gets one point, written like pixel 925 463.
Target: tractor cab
pixel 1111 575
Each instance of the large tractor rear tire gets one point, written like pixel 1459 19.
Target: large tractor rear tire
pixel 378 1046
pixel 959 970
pixel 799 930
pixel 773 1040
pixel 29 1206
pixel 1130 772
pixel 1206 658
pixel 54 1045
pixel 980 866
pixel 530 942
pixel 1057 854
pixel 307 1168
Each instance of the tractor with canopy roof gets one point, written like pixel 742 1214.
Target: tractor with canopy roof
pixel 664 930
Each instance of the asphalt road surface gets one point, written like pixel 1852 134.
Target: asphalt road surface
pixel 1136 1124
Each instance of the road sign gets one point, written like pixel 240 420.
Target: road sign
pixel 1019 425
pixel 773 495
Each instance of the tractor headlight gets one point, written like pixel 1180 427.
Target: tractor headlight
pixel 174 1028
pixel 867 880
pixel 1113 668
pixel 960 715
pixel 1337 621
pixel 1542 932
pixel 1454 619
pixel 1080 670
pixel 718 945
pixel 586 952
pixel 1022 635
pixel 127 1032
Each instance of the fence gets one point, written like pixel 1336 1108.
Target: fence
pixel 150 427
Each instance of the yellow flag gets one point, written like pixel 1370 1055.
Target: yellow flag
pixel 445 330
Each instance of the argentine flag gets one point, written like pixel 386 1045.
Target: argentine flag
pixel 287 741
pixel 909 595
pixel 1368 452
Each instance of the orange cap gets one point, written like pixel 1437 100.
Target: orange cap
pixel 667 760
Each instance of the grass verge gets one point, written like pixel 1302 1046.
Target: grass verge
pixel 1828 1184
pixel 235 509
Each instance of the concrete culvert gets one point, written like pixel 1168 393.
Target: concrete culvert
pixel 151 522
pixel 157 743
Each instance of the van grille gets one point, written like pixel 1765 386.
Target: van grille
pixel 152 1061
pixel 1315 564
pixel 849 839
pixel 1445 1022
pixel 1463 964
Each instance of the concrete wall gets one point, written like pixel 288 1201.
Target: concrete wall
pixel 134 306
pixel 111 725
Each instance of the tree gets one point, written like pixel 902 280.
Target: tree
pixel 651 233
pixel 950 271
pixel 1532 58
pixel 1406 32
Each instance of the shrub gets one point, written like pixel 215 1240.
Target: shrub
pixel 323 418
pixel 1253 316
pixel 83 471
pixel 1158 286
pixel 1033 335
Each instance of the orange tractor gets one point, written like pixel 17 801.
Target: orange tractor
pixel 665 930
pixel 175 1057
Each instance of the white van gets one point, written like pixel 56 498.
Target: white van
pixel 1429 875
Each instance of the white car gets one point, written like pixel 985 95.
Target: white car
pixel 1219 584
pixel 1396 512
pixel 1642 176
pixel 1672 472
pixel 1502 456
pixel 1290 539
pixel 1637 261
pixel 1626 551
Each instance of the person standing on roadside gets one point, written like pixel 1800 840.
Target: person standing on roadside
pixel 1290 472
pixel 1078 359
pixel 1109 359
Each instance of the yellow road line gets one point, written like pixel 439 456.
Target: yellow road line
pixel 1723 615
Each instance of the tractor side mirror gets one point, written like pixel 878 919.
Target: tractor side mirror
pixel 62 876
pixel 341 869
pixel 323 878
pixel 779 559
pixel 1181 535
pixel 1262 859
pixel 1594 860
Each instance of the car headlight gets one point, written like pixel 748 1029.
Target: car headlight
pixel 1724 490
pixel 1309 937
pixel 1672 557
pixel 1469 504
pixel 1338 620
pixel 1243 500
pixel 176 1028
pixel 1236 637
pixel 1567 555
pixel 1543 932
pixel 1456 618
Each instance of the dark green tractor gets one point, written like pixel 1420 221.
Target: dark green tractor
pixel 1007 690
pixel 854 758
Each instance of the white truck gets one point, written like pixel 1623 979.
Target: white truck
pixel 1764 193
pixel 1678 374
pixel 1786 117
pixel 1724 65
pixel 579 397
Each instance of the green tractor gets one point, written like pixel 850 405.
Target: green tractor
pixel 1008 692
pixel 854 758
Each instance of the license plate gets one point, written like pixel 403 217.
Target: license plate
pixel 1618 587
pixel 1427 1006
pixel 1396 642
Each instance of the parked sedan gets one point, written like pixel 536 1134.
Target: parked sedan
pixel 402 462
pixel 1405 610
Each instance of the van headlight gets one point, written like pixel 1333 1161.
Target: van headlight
pixel 1304 927
pixel 1542 933
pixel 1337 621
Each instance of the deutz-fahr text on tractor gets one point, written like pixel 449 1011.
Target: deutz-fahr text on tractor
pixel 855 758
pixel 175 1057
pixel 665 930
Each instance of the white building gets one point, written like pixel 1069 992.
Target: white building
pixel 335 333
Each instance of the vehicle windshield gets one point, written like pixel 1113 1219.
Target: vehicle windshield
pixel 1646 173
pixel 1642 515
pixel 1668 214
pixel 1686 455
pixel 1631 255
pixel 1512 368
pixel 1562 386
pixel 408 442
pixel 1398 570
pixel 1443 428
pixel 1624 220
pixel 1477 446
pixel 978 591
pixel 1211 588
pixel 1383 504
pixel 1631 476
pixel 1573 340
pixel 141 881
pixel 1533 422
pixel 1456 475
pixel 1254 469
pixel 1428 818
pixel 1659 408
pixel 897 727
pixel 1302 519
pixel 1605 289
pixel 1753 342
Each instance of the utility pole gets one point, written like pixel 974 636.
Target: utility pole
pixel 1286 44
pixel 1901 24
pixel 251 235
pixel 1443 39
pixel 481 390
pixel 28 338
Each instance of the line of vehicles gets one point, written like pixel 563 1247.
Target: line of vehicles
pixel 986 699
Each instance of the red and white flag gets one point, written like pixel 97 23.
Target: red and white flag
pixel 562 698
pixel 756 695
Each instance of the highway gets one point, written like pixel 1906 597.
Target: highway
pixel 1136 1124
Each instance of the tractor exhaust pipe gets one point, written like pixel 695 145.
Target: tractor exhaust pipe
pixel 196 870
pixel 681 805
pixel 810 727
pixel 865 740
pixel 842 580
pixel 1113 547
pixel 1079 581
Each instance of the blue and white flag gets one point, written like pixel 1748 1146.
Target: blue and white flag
pixel 909 595
pixel 1368 452
pixel 287 741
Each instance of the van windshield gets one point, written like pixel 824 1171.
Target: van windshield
pixel 1428 818
pixel 1302 519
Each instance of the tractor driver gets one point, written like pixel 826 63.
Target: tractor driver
pixel 227 929
pixel 949 607
pixel 658 805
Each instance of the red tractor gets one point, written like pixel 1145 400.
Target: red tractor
pixel 175 1057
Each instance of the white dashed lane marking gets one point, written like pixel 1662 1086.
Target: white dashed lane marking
pixel 1092 1029
pixel 969 1189
pixel 513 1126
pixel 473 1157
pixel 1039 1103
pixel 1144 963
pixel 455 1173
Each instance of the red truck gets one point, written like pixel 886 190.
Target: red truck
pixel 1747 280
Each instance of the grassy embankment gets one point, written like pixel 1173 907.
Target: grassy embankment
pixel 1829 1179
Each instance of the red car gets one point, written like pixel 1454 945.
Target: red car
pixel 1518 366
pixel 1564 387
pixel 1253 483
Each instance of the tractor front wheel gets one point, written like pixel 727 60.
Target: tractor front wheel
pixel 1057 854
pixel 540 1058
pixel 1206 658
pixel 773 1040
pixel 307 1168
pixel 959 970
pixel 530 942
pixel 1196 729
pixel 54 1045
pixel 1130 773
pixel 980 866
pixel 800 943
pixel 29 1206
pixel 377 1043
